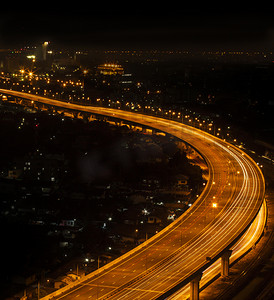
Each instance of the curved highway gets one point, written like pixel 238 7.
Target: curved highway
pixel 171 258
pixel 246 242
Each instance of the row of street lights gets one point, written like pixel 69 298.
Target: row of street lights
pixel 184 115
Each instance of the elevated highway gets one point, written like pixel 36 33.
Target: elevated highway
pixel 207 231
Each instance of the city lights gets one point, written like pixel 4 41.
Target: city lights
pixel 135 154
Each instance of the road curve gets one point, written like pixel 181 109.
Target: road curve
pixel 245 243
pixel 173 256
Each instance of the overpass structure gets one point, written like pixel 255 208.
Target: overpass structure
pixel 206 232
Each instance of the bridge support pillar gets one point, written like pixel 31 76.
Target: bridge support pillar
pixel 194 287
pixel 91 118
pixel 225 263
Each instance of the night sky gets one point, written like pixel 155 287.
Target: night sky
pixel 201 28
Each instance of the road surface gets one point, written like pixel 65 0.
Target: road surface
pixel 235 186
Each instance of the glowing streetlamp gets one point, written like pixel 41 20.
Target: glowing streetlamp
pixel 214 206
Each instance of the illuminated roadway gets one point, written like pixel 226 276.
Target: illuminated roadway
pixel 181 250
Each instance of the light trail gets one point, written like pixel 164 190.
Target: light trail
pixel 180 250
pixel 246 242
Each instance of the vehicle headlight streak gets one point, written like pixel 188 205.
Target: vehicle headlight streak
pixel 219 225
pixel 238 205
pixel 246 242
pixel 207 239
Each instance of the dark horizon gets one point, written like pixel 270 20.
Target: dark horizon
pixel 197 29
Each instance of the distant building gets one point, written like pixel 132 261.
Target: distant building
pixel 68 223
pixel 14 174
pixel 110 69
pixel 65 66
pixel 44 50
pixel 182 180
pixel 154 220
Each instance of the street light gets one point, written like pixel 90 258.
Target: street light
pixel 214 205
